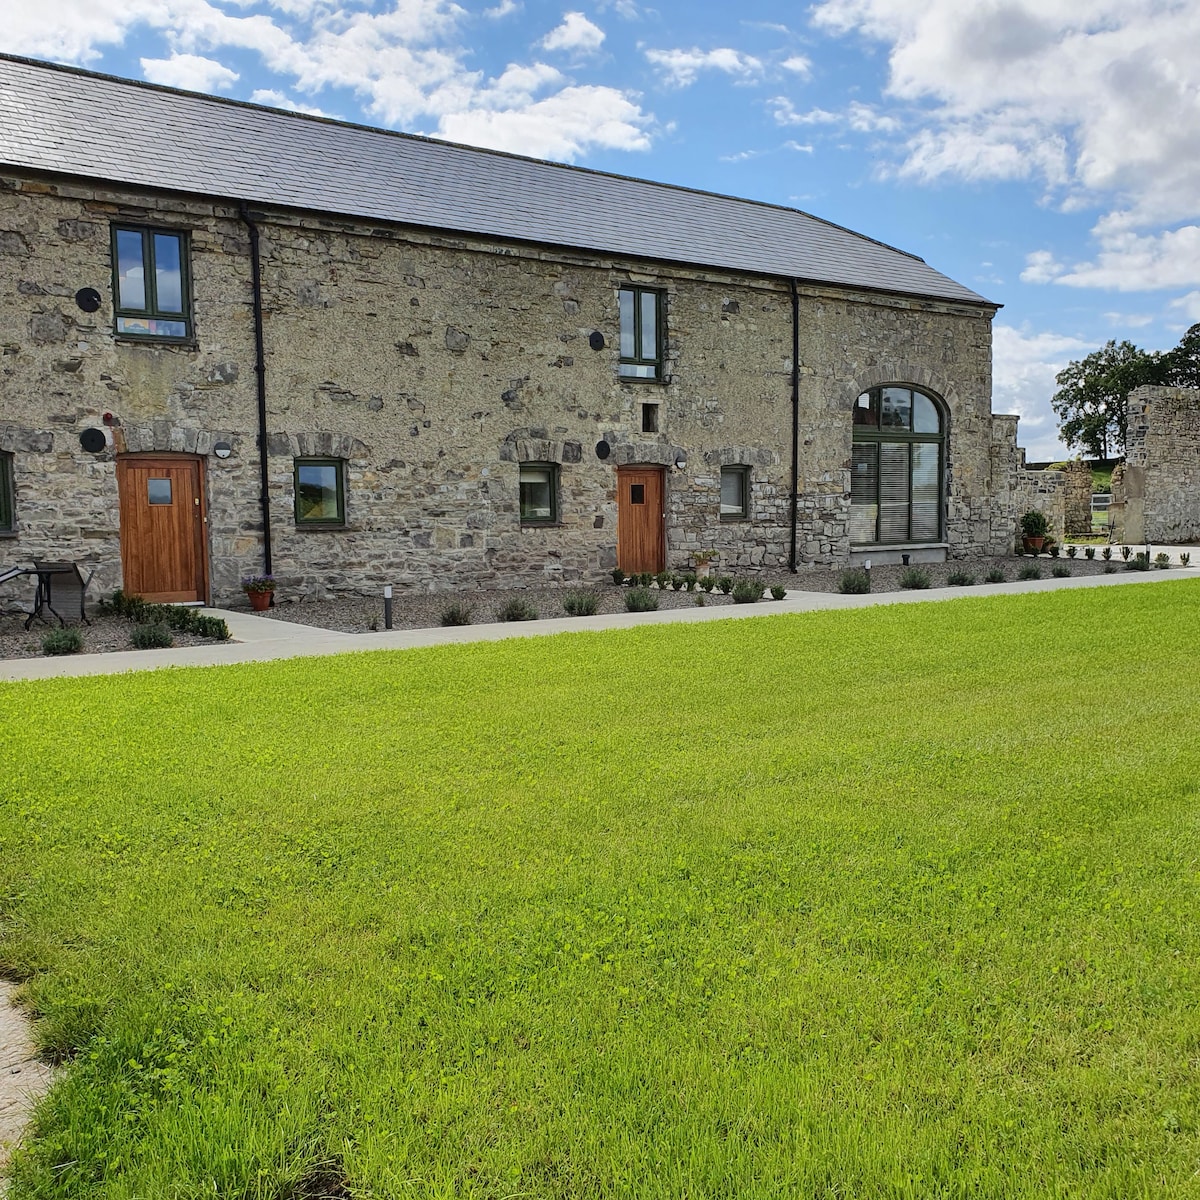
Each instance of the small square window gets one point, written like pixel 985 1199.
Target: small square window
pixel 158 491
pixel 649 418
pixel 320 491
pixel 735 493
pixel 539 493
pixel 7 495
pixel 641 334
pixel 151 283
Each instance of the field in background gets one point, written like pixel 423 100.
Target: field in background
pixel 897 902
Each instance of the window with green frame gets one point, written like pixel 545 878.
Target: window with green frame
pixel 898 461
pixel 320 491
pixel 8 507
pixel 641 333
pixel 151 283
pixel 538 485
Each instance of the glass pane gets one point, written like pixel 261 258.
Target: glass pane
pixel 864 493
pixel 317 491
pixel 537 501
pixel 131 275
pixel 893 493
pixel 627 343
pixel 733 493
pixel 6 491
pixel 897 408
pixel 866 409
pixel 649 418
pixel 634 371
pixel 637 493
pixel 168 278
pixel 926 470
pixel 649 348
pixel 926 418
pixel 158 491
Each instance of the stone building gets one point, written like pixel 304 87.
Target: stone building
pixel 234 339
pixel 1156 491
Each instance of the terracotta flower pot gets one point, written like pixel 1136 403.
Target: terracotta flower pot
pixel 259 601
pixel 1034 543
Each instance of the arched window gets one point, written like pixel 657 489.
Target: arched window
pixel 897 466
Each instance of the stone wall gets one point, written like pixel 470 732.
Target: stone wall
pixel 1016 489
pixel 1077 499
pixel 433 365
pixel 1156 491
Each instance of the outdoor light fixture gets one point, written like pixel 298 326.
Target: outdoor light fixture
pixel 680 461
pixel 387 606
pixel 222 449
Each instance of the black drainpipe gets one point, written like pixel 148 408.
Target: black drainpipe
pixel 795 415
pixel 260 370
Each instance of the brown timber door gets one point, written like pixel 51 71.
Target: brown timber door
pixel 162 526
pixel 641 545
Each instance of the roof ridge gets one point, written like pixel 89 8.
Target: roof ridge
pixel 315 118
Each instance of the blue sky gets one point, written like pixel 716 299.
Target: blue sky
pixel 1044 152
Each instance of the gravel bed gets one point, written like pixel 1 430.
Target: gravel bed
pixel 423 610
pixel 106 632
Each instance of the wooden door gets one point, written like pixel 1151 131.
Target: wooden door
pixel 641 544
pixel 163 547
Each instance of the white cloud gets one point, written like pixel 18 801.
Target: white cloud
pixel 575 33
pixel 681 67
pixel 504 9
pixel 1129 320
pixel 1127 262
pixel 797 64
pixel 1098 100
pixel 190 71
pixel 1024 365
pixel 405 60
pixel 276 99
pixel 862 118
pixel 1189 305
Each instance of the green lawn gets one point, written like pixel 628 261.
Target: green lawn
pixel 897 902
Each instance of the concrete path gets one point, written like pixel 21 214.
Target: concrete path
pixel 262 639
pixel 24 1078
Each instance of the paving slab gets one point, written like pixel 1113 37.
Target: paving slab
pixel 262 639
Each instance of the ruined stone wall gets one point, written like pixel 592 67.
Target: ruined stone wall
pixel 433 365
pixel 1077 499
pixel 1156 493
pixel 1015 489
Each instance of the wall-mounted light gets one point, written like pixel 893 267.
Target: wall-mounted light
pixel 680 461
pixel 222 449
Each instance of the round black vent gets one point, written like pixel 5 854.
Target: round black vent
pixel 88 299
pixel 603 449
pixel 596 340
pixel 92 440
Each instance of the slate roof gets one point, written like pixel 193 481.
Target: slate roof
pixel 67 121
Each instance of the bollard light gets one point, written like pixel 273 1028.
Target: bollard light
pixel 387 606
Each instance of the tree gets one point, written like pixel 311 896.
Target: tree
pixel 1183 363
pixel 1093 395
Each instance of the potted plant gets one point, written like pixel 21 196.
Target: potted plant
pixel 703 560
pixel 1034 528
pixel 260 589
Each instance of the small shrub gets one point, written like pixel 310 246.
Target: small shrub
pixel 581 603
pixel 62 641
pixel 618 576
pixel 1126 552
pixel 1141 562
pixel 517 609
pixel 1089 552
pixel 1030 573
pixel 211 627
pixel 707 583
pixel 689 581
pixel 1034 524
pixel 1110 569
pixel 960 579
pixel 457 613
pixel 1106 553
pixel 640 599
pixel 663 578
pixel 645 579
pixel 1162 560
pixel 995 575
pixel 677 582
pixel 778 591
pixel 1185 558
pixel 748 591
pixel 1072 551
pixel 914 579
pixel 700 600
pixel 725 583
pixel 854 582
pixel 1061 572
pixel 151 637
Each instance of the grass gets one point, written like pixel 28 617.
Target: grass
pixel 832 905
